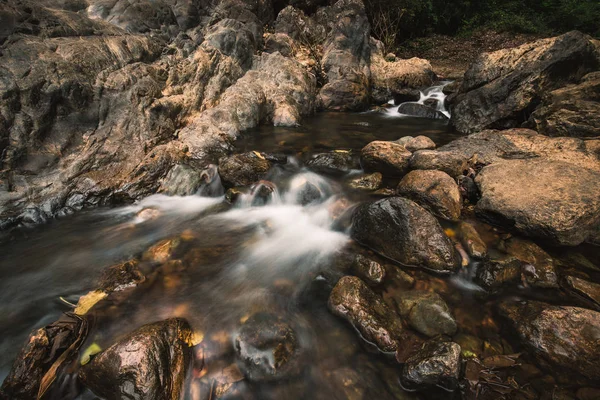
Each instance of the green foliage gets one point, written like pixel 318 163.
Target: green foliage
pixel 421 17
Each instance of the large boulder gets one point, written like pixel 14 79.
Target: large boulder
pixel 150 363
pixel 389 158
pixel 434 190
pixel 337 162
pixel 346 59
pixel 551 200
pixel 502 88
pixel 570 111
pixel 491 146
pixel 559 336
pixel 400 229
pixel 352 300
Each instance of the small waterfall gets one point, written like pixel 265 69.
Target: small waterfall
pixel 433 97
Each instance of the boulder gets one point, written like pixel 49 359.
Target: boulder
pixel 352 300
pixel 401 230
pixel 436 191
pixel 550 200
pixel 491 146
pixel 560 336
pixel 346 59
pixel 436 364
pixel 494 274
pixel 501 89
pixel 152 362
pixel 243 169
pixel 393 79
pixel 389 158
pixel 419 143
pixel 267 348
pixel 426 312
pixel 570 111
pixel 421 111
pixel 232 38
pixel 366 182
pixel 337 162
pixel 279 42
pixel 370 271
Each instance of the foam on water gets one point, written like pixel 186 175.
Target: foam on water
pixel 434 92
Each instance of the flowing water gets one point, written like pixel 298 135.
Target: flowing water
pixel 272 251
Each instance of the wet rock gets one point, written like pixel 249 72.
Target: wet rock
pixel 434 190
pixel 420 143
pixel 421 111
pixel 588 291
pixel 346 58
pixel 437 364
pixel 243 169
pixel 121 276
pixel 389 158
pixel 496 273
pixel 370 271
pixel 426 312
pixel 551 200
pixel 162 251
pixel 352 300
pixel 150 363
pixel 559 336
pixel 368 182
pixel 405 95
pixel 570 111
pixel 472 242
pixel 43 349
pixel 337 162
pixel 393 78
pixel 401 230
pixel 500 89
pixel 492 146
pixel 182 180
pixel 267 348
pixel 538 270
pixel 468 189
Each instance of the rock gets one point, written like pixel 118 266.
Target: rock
pixel 421 111
pixel 279 42
pixel 121 276
pixel 470 239
pixel 403 231
pixel 420 143
pixel 151 363
pixel 491 146
pixel 243 169
pixel 426 312
pixel 564 337
pixel 570 111
pixel 182 180
pixel 395 78
pixel 43 348
pixel 337 162
pixel 502 88
pixel 267 348
pixel 367 182
pixel 436 191
pixel 468 189
pixel 496 273
pixel 352 300
pixel 437 364
pixel 234 39
pixel 538 270
pixel 346 59
pixel 588 291
pixel 368 270
pixel 389 158
pixel 550 200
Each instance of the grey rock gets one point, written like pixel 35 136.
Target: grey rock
pixel 437 364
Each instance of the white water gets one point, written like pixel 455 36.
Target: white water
pixel 431 93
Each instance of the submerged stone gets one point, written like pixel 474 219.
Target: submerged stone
pixel 369 182
pixel 337 162
pixel 436 364
pixel 426 312
pixel 352 300
pixel 470 239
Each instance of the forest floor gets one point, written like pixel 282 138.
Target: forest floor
pixel 450 56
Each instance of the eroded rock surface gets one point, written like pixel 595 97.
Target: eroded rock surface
pixel 436 364
pixel 434 190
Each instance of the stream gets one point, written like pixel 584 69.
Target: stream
pixel 272 251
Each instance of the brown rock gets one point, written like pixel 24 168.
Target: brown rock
pixel 352 300
pixel 539 269
pixel 434 190
pixel 588 291
pixel 470 239
pixel 389 158
pixel 420 143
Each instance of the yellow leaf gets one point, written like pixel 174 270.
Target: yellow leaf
pixel 87 354
pixel 88 301
pixel 258 155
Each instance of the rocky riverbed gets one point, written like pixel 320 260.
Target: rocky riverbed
pixel 248 199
